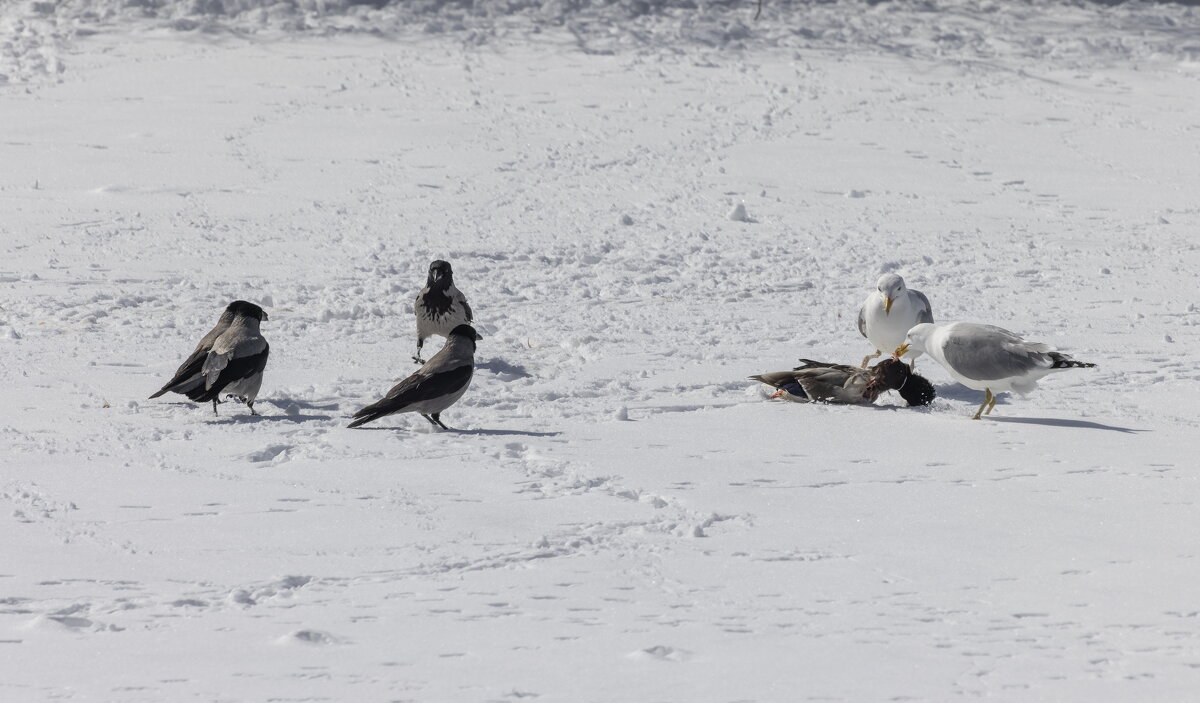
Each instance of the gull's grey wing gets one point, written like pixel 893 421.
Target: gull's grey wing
pixel 987 353
pixel 925 310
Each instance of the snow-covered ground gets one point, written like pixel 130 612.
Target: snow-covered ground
pixel 622 515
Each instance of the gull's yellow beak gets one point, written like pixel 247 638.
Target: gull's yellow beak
pixel 901 350
pixel 887 305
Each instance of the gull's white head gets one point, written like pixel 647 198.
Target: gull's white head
pixel 890 286
pixel 916 340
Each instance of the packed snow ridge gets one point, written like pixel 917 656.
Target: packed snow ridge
pixel 38 32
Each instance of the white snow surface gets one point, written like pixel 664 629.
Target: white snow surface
pixel 621 515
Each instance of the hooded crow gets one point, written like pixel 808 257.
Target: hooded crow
pixel 889 312
pixel 822 382
pixel 235 362
pixel 987 358
pixel 188 376
pixel 440 307
pixel 434 387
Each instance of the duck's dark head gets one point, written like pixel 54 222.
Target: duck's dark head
pixel 893 374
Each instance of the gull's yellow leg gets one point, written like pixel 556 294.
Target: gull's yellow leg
pixel 991 404
pixel 987 398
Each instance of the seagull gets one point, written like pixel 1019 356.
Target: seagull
pixel 818 381
pixel 188 377
pixel 889 312
pixel 434 387
pixel 232 365
pixel 987 358
pixel 440 307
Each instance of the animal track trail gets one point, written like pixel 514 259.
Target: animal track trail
pixel 559 478
pixel 33 506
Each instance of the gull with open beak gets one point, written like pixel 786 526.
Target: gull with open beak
pixel 889 313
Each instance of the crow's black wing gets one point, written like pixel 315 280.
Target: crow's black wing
pixel 414 389
pixel 237 369
pixel 188 376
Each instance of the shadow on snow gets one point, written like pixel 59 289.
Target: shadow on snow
pixel 1055 422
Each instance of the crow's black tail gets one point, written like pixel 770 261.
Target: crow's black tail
pixel 361 419
pixel 374 411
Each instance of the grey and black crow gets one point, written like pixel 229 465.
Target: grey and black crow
pixel 440 307
pixel 233 363
pixel 434 387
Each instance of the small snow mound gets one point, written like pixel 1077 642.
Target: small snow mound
pixel 309 637
pixel 274 452
pixel 285 587
pixel 59 622
pixel 626 220
pixel 856 193
pixel 661 652
pixel 622 414
pixel 738 213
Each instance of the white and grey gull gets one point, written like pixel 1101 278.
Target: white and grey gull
pixel 889 312
pixel 987 358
